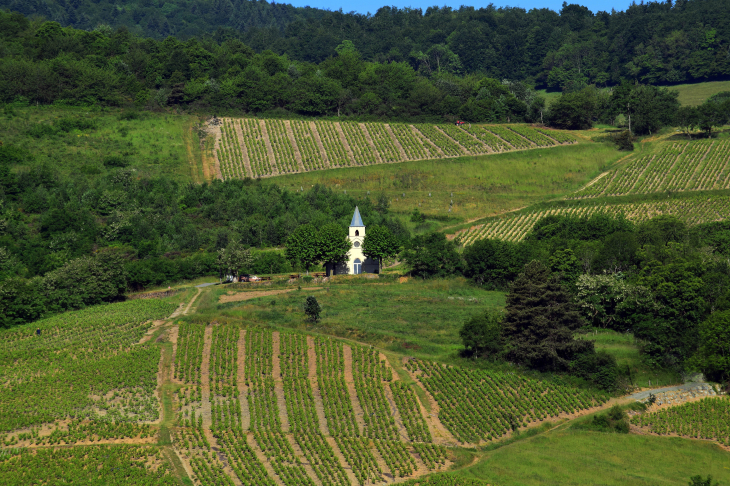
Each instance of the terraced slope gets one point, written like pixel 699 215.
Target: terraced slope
pixel 515 226
pixel 308 410
pixel 244 406
pixel 673 166
pixel 264 148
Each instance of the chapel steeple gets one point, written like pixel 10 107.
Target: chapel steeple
pixel 356 219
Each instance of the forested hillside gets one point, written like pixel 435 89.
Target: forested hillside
pixel 653 42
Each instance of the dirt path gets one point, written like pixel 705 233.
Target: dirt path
pixel 293 140
pixel 205 376
pixel 252 294
pixel 190 304
pixel 318 404
pixel 180 467
pixel 359 413
pixel 463 149
pixel 426 141
pixel 369 139
pixel 205 161
pixel 244 150
pixel 261 457
pixel 241 381
pixel 343 139
pixel 487 148
pixel 270 151
pixel 148 335
pixel 341 458
pixel 278 384
pixel 389 396
pixel 350 382
pixel 216 130
pixel 402 152
pixel 439 433
pixel 306 465
pixel 320 146
pixel 178 311
pixel 506 143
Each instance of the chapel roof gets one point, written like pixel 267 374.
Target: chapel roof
pixel 356 219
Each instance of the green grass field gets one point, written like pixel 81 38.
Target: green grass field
pixel 153 144
pixel 571 457
pixel 481 186
pixel 419 318
pixel 689 94
pixel 695 94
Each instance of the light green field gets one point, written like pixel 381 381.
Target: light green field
pixel 420 318
pixel 571 457
pixel 153 145
pixel 695 94
pixel 481 185
pixel 550 96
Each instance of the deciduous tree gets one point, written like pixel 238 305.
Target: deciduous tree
pixel 379 243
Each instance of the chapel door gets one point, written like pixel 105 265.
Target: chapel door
pixel 358 266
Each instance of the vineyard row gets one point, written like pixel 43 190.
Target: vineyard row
pixel 673 167
pixel 260 148
pixel 515 227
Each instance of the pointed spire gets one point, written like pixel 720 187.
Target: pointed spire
pixel 356 219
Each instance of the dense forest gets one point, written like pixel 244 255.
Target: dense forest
pixel 653 42
pixel 43 63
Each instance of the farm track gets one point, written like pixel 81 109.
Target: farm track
pixel 292 140
pixel 279 384
pixel 241 381
pixel 318 404
pixel 318 141
pixel 244 150
pixel 391 401
pixel 269 150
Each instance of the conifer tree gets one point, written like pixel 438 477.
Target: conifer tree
pixel 539 321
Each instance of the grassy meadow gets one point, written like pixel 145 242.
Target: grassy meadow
pixel 572 457
pixel 481 185
pixel 419 318
pixel 152 144
pixel 696 93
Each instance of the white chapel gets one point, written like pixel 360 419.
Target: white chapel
pixel 357 262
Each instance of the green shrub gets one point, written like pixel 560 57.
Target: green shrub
pixel 40 130
pixel 71 124
pixel 614 420
pixel 312 309
pixel 115 161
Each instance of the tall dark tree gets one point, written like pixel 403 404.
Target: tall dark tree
pixel 540 321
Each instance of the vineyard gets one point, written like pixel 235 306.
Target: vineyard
pixel 262 148
pixel 272 408
pixel 515 226
pixel 72 372
pixel 252 406
pixel 675 167
pixel 708 419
